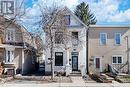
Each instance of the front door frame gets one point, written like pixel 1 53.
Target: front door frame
pixel 100 58
pixel 77 63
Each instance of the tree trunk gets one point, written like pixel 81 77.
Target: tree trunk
pixel 52 63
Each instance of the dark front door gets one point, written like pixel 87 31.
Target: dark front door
pixel 98 63
pixel 75 63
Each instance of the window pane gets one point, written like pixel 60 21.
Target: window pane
pixel 119 59
pixel 114 60
pixel 58 37
pixel 67 19
pixel 117 38
pixel 75 38
pixel 8 60
pixel 59 59
pixel 10 35
pixel 103 38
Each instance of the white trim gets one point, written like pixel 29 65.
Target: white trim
pixel 22 61
pixel 100 58
pixel 111 26
pixel 105 38
pixel 7 46
pixel 10 61
pixel 117 59
pixel 115 39
pixel 11 49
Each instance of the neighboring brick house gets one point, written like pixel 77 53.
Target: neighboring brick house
pixel 109 45
pixel 17 47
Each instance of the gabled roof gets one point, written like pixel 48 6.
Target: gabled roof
pixel 22 27
pixel 66 8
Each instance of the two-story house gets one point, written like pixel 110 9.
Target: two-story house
pixel 17 48
pixel 108 45
pixel 74 56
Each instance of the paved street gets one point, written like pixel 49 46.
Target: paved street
pixel 67 85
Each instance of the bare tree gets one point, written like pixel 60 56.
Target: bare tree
pixel 55 30
pixel 54 23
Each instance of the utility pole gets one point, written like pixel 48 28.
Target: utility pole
pixel 87 32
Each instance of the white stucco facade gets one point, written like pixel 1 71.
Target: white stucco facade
pixel 78 52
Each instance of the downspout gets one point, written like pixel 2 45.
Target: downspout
pixel 128 60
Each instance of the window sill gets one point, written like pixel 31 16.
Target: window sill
pixel 58 65
pixel 9 63
pixel 116 63
pixel 117 44
pixel 103 45
pixel 10 41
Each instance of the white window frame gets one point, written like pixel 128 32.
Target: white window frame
pixel 115 39
pixel 117 59
pixel 100 38
pixel 11 50
pixel 10 31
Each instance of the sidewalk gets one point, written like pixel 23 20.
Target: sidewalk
pixel 68 85
pixel 76 82
pixel 77 79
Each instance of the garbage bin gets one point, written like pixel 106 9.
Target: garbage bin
pixel 68 70
pixel 83 71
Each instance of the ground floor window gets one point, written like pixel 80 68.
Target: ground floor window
pixel 9 56
pixel 58 58
pixel 117 59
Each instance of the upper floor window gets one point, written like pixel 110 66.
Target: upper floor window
pixel 103 38
pixel 9 56
pixel 10 35
pixel 117 38
pixel 75 38
pixel 67 19
pixel 117 59
pixel 58 37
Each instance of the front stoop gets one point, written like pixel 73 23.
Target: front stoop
pixel 88 79
pixel 75 73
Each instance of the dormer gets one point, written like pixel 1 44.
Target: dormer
pixel 72 19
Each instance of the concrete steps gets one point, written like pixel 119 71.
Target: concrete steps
pixel 108 78
pixel 75 73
